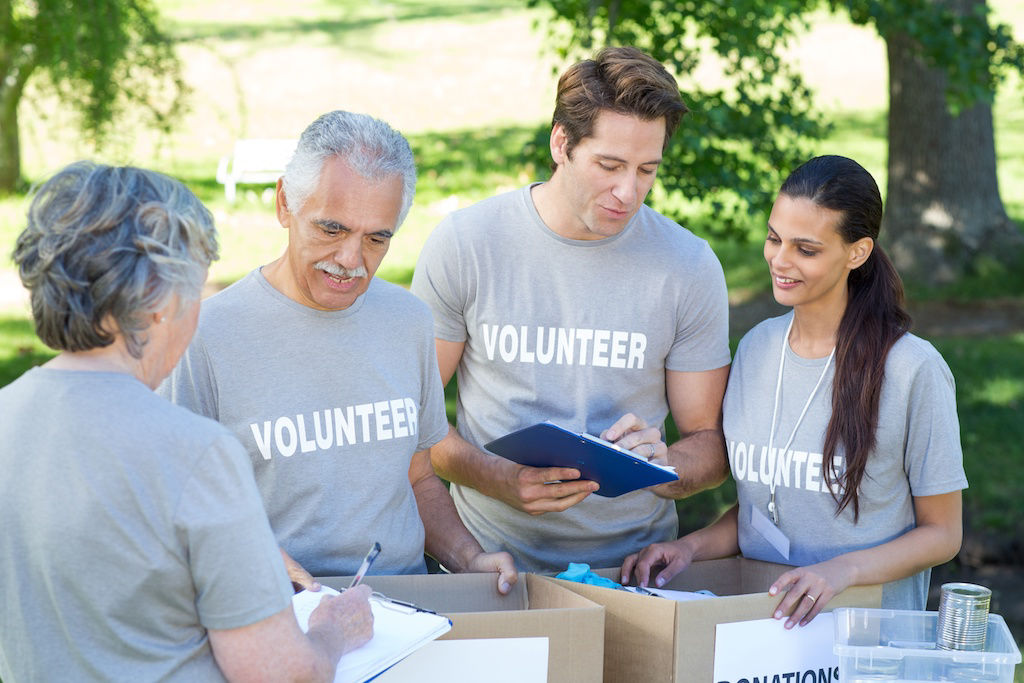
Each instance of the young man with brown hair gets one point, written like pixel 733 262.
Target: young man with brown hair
pixel 571 301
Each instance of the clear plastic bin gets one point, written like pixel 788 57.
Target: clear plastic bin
pixel 899 645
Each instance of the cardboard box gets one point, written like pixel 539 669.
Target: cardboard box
pixel 535 607
pixel 506 660
pixel 655 639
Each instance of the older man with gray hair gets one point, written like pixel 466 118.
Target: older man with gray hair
pixel 328 375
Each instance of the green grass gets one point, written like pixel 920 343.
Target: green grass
pixel 989 374
pixel 20 348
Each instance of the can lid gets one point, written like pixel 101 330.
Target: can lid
pixel 967 590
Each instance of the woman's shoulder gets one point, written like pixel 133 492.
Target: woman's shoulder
pixel 911 351
pixel 915 364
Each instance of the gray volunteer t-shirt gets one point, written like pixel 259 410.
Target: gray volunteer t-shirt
pixel 575 332
pixel 917 454
pixel 130 527
pixel 331 406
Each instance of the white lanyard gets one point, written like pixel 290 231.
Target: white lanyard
pixel 773 509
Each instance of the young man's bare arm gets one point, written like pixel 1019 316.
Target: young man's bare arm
pixel 699 456
pixel 522 487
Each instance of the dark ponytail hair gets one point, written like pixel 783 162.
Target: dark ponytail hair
pixel 873 321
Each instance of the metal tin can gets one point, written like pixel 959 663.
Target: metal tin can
pixel 963 616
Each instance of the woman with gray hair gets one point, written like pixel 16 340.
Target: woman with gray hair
pixel 135 545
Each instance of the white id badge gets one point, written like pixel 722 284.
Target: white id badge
pixel 769 531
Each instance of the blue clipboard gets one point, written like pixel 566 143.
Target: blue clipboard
pixel 547 445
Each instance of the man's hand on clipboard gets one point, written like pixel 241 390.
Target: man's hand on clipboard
pixel 537 490
pixel 631 433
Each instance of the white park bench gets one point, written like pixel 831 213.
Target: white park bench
pixel 257 161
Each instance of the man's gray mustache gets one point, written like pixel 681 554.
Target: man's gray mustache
pixel 339 271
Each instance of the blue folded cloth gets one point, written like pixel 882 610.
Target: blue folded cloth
pixel 580 573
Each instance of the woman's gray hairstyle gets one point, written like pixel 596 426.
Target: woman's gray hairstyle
pixel 106 244
pixel 371 147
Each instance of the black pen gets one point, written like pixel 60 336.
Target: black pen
pixel 365 566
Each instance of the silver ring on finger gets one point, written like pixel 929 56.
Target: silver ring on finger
pixel 811 598
pixel 653 450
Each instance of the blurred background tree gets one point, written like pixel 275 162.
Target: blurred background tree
pixel 944 214
pixel 99 57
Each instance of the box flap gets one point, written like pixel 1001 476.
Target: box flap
pixel 757 576
pixel 638 630
pixel 443 592
pixel 727 576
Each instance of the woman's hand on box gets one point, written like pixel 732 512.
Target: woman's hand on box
pixel 806 590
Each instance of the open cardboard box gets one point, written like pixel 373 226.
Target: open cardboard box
pixel 535 607
pixel 656 639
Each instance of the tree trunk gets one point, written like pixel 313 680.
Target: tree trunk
pixel 16 65
pixel 943 208
pixel 10 150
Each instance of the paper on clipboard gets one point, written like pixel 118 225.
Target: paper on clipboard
pixel 398 631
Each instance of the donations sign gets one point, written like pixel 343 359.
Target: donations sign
pixel 763 651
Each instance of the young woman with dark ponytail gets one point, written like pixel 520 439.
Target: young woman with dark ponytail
pixel 841 426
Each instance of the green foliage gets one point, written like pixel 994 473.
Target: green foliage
pixel 102 58
pixel 741 139
pixel 107 56
pixel 989 376
pixel 975 54
pixel 475 162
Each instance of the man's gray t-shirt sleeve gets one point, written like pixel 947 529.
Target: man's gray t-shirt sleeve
pixel 439 281
pixel 434 420
pixel 702 321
